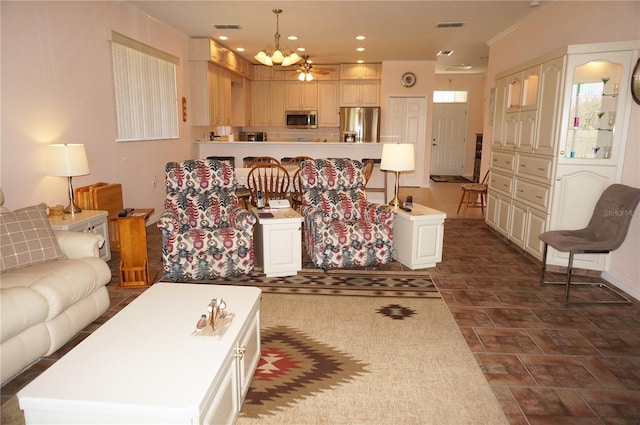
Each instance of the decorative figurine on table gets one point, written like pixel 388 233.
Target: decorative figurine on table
pixel 202 323
pixel 216 311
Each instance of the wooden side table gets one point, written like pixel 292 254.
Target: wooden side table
pixel 134 259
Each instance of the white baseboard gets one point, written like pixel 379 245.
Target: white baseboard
pixel 624 286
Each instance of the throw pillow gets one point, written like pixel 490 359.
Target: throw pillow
pixel 26 238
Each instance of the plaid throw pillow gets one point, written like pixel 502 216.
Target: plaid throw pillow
pixel 26 238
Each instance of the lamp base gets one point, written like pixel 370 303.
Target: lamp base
pixel 395 203
pixel 72 208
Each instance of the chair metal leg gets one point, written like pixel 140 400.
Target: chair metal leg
pixel 569 277
pixel 544 264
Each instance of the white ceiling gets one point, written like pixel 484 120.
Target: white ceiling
pixel 395 30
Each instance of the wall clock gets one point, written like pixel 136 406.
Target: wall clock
pixel 408 79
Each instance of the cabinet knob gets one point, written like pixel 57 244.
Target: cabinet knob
pixel 240 352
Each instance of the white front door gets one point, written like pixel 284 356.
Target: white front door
pixel 406 123
pixel 448 138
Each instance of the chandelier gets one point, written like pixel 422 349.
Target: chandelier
pixel 273 55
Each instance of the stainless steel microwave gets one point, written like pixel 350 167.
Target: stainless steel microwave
pixel 302 119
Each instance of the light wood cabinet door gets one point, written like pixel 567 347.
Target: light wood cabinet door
pixel 301 95
pixel 328 104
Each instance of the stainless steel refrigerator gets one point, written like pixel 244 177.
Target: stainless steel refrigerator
pixel 360 124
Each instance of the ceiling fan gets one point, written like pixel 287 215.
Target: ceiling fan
pixel 306 69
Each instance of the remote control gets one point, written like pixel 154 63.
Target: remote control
pixel 124 212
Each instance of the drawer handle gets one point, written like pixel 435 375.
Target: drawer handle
pixel 523 165
pixel 507 162
pixel 520 190
pixel 505 185
pixel 538 196
pixel 541 169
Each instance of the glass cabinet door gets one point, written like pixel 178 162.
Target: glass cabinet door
pixel 592 112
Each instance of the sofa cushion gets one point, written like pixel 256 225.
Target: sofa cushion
pixel 20 308
pixel 26 238
pixel 61 283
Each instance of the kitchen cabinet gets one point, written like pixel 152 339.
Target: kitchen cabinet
pixel 301 96
pixel 360 71
pixel 359 93
pixel 268 103
pixel 328 104
pixel 210 94
pixel 560 129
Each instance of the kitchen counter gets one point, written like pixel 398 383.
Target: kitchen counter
pixel 280 149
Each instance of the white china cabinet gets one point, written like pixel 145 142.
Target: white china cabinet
pixel 559 134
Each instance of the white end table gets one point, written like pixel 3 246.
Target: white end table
pixel 92 221
pixel 417 236
pixel 277 241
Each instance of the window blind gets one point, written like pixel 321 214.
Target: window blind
pixel 145 91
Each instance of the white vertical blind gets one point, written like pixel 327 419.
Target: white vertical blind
pixel 146 95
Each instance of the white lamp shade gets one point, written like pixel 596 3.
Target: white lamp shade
pixel 397 157
pixel 67 160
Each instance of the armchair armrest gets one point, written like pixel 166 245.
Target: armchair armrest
pixel 241 218
pixel 380 213
pixel 167 222
pixel 75 245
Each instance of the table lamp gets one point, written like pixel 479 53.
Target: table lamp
pixel 397 157
pixel 68 160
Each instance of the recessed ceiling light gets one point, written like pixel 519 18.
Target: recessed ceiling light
pixel 445 53
pixel 361 49
pixel 360 61
pixel 292 37
pixel 360 37
pixel 301 49
pixel 240 49
pixel 223 37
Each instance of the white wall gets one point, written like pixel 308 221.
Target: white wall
pixel 57 87
pixel 555 26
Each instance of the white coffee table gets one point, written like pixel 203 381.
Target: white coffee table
pixel 145 366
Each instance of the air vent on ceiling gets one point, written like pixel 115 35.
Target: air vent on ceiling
pixel 445 53
pixel 227 26
pixel 449 24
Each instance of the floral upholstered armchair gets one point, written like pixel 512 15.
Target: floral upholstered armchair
pixel 205 233
pixel 342 229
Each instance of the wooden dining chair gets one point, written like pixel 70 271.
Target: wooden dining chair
pixel 250 161
pixel 474 195
pixel 368 170
pixel 296 194
pixel 269 178
pixel 295 160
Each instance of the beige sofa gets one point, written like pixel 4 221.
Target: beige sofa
pixel 52 285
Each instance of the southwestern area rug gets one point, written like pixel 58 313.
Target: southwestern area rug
pixel 352 282
pixel 364 360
